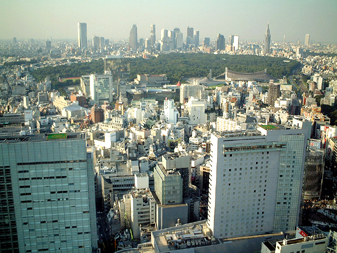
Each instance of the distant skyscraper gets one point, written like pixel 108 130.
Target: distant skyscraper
pixel 153 34
pixel 82 35
pixel 267 41
pixel 179 39
pixel 190 32
pixel 14 40
pixel 164 35
pixel 196 38
pixel 95 42
pixel 48 45
pixel 207 41
pixel 231 40
pixel 133 38
pixel 47 195
pixel 148 43
pixel 255 181
pixel 189 36
pixel 236 42
pixel 101 42
pixel 307 40
pixel 220 42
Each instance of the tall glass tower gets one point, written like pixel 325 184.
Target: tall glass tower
pixel 82 35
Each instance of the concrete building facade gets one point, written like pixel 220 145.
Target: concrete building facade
pixel 249 171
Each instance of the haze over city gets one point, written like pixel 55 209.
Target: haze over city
pixel 157 126
pixel 113 19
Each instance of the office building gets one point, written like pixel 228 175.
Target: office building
pixel 189 36
pixel 220 42
pixel 82 35
pixel 101 88
pixel 235 42
pixel 207 41
pixel 179 39
pixel 97 114
pixel 190 32
pixel 95 42
pixel 273 93
pixel 191 90
pixel 170 112
pixel 307 40
pixel 231 40
pixel 196 111
pixel 139 209
pixel 196 38
pixel 147 43
pixel 47 194
pixel 267 42
pixel 101 42
pixel 153 34
pixel 164 35
pixel 133 38
pixel 168 185
pixel 48 45
pixel 255 181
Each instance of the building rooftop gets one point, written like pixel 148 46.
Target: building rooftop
pixel 39 137
pixel 269 127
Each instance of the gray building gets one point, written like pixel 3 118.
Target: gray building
pixel 168 185
pixel 220 42
pixel 82 35
pixel 267 41
pixel 133 38
pixel 47 194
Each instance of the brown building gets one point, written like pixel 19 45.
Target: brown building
pixel 273 93
pixel 81 99
pixel 97 114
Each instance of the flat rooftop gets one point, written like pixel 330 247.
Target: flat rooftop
pixel 38 137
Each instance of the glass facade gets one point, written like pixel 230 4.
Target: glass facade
pixel 52 195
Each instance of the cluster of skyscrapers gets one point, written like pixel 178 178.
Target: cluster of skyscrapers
pixel 170 40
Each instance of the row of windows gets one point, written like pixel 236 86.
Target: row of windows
pixel 52 162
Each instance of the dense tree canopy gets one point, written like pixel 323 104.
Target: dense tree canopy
pixel 178 66
pixel 72 70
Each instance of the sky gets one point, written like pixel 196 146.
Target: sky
pixel 57 19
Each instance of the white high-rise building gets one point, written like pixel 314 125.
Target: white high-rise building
pixel 236 42
pixel 164 35
pixel 170 112
pixel 101 88
pixel 47 195
pixel 196 111
pixel 82 35
pixel 139 209
pixel 255 181
pixel 307 40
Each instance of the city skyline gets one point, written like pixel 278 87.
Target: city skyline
pixel 246 18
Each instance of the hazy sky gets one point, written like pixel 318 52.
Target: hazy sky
pixel 57 19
